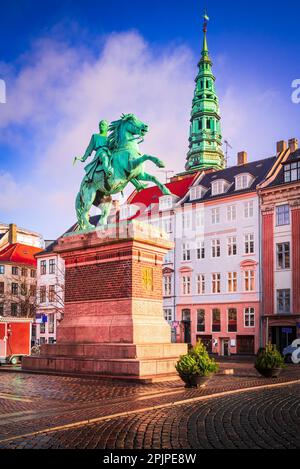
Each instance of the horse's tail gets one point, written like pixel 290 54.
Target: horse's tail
pixel 79 205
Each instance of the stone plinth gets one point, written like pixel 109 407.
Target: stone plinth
pixel 113 321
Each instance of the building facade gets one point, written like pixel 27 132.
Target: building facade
pixel 50 295
pixel 280 218
pixel 17 274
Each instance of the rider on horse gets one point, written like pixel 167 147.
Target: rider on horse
pixel 102 158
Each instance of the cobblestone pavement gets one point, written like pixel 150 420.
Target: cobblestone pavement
pixel 40 411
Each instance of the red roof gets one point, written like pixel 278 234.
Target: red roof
pixel 19 254
pixel 151 195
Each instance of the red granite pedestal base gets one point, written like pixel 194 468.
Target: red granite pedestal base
pixel 113 322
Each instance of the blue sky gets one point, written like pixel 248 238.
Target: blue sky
pixel 68 63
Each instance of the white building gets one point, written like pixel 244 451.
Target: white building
pixel 50 295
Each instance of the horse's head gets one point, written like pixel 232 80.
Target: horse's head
pixel 126 129
pixel 133 125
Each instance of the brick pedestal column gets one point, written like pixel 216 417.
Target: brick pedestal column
pixel 113 321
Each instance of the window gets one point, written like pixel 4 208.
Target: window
pixel 249 317
pixel 249 243
pixel 2 269
pixel 215 216
pixel 232 320
pixel 128 211
pixel 243 181
pixel 232 282
pixel 283 301
pixel 292 172
pixel 216 320
pixel 200 284
pixel 186 285
pixel 231 213
pixel 24 309
pixel 200 249
pixel 186 315
pixel 168 315
pixel 33 273
pixel 24 272
pixel 249 209
pixel 51 293
pixel 166 224
pixel 43 268
pixel 186 222
pixel 51 323
pixel 32 290
pixel 1 309
pixel 168 257
pixel 15 270
pixel 283 215
pixel 23 289
pixel 14 309
pixel 217 187
pixel 1 288
pixel 199 218
pixel 14 288
pixel 249 280
pixel 216 283
pixel 43 294
pixel 215 248
pixel 42 328
pixel 231 246
pixel 283 255
pixel 186 252
pixel 52 266
pixel 167 284
pixel 42 339
pixel 196 192
pixel 165 203
pixel 200 320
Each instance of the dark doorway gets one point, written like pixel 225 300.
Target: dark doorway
pixel 283 336
pixel 245 344
pixel 225 348
pixel 207 341
pixel 186 321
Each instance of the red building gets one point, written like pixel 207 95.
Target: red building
pixel 280 214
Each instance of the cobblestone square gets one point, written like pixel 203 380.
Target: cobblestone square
pixel 232 412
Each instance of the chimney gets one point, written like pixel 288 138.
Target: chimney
pixel 281 146
pixel 293 144
pixel 242 158
pixel 12 233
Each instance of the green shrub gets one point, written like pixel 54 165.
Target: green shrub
pixel 196 362
pixel 269 358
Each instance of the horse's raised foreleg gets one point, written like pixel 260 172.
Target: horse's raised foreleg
pixel 133 164
pixel 150 178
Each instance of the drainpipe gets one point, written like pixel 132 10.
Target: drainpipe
pixel 174 263
pixel 260 270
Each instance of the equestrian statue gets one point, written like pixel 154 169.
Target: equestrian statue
pixel 116 162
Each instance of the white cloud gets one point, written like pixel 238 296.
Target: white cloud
pixel 60 95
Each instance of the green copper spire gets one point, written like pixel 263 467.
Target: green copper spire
pixel 205 132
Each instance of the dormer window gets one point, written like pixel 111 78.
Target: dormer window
pixel 197 192
pixel 292 172
pixel 165 203
pixel 243 181
pixel 218 187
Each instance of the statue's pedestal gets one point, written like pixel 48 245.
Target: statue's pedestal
pixel 113 322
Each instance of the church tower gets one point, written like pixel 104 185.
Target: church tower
pixel 205 151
